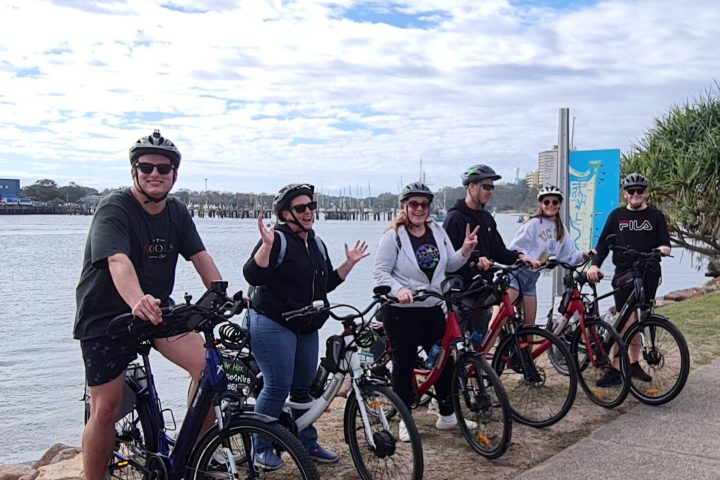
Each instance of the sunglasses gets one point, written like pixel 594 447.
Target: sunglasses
pixel 487 187
pixel 551 202
pixel 162 168
pixel 415 205
pixel 635 191
pixel 301 208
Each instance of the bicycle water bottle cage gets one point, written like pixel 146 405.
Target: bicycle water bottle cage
pixel 334 346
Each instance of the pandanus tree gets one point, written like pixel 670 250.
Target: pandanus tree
pixel 680 156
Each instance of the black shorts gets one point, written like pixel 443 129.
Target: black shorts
pixel 107 357
pixel 650 281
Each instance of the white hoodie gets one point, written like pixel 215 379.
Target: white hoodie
pixel 538 237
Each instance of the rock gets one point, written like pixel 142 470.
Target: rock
pixel 69 469
pixel 680 295
pixel 17 472
pixel 57 453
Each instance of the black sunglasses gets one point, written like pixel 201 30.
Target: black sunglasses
pixel 633 191
pixel 301 208
pixel 487 187
pixel 162 168
pixel 548 202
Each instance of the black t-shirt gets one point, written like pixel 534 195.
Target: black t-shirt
pixel 641 230
pixel 426 252
pixel 152 242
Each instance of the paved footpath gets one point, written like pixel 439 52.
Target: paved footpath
pixel 674 441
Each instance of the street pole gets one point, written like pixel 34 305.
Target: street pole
pixel 561 177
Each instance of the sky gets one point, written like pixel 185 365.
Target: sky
pixel 351 95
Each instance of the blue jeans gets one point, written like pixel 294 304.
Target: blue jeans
pixel 288 362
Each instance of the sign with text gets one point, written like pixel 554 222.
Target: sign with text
pixel 594 183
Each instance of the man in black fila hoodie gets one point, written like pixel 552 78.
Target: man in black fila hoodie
pixel 640 227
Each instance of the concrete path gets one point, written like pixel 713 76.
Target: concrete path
pixel 673 441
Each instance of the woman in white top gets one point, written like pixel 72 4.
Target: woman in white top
pixel 542 236
pixel 416 252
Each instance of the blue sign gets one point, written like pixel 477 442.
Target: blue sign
pixel 594 186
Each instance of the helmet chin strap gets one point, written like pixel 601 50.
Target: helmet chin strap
pixel 150 198
pixel 296 222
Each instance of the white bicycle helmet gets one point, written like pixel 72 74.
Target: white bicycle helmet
pixel 550 190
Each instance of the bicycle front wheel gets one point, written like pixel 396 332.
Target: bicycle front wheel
pixel 593 349
pixel 481 406
pixel 209 460
pixel 664 362
pixel 387 457
pixel 539 395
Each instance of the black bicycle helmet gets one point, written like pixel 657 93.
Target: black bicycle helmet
pixel 156 144
pixel 478 173
pixel 549 190
pixel 634 180
pixel 416 189
pixel 288 192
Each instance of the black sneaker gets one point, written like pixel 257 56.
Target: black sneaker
pixel 611 378
pixel 637 372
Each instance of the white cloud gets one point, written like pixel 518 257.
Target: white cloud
pixel 259 94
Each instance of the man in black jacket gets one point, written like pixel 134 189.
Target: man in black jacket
pixel 478 181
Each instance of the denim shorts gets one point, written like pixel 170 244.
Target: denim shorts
pixel 525 282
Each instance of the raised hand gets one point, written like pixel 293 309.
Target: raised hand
pixel 470 240
pixel 357 253
pixel 267 234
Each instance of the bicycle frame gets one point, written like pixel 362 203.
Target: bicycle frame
pixel 451 344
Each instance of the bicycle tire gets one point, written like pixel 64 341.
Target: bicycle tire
pixel 479 396
pixel 390 458
pixel 209 462
pixel 539 395
pixel 554 354
pixel 601 340
pixel 667 361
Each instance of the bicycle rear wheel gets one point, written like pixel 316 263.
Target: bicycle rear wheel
pixel 209 460
pixel 389 458
pixel 593 357
pixel 539 395
pixel 665 359
pixel 479 397
pixel 555 356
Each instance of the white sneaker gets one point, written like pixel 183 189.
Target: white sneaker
pixel 448 422
pixel 403 434
pixel 433 407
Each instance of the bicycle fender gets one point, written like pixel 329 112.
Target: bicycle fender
pixel 659 317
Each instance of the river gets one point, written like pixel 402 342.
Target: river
pixel 41 371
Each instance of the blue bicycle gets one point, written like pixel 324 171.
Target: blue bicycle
pixel 144 450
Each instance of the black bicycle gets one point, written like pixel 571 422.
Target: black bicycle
pixel 144 450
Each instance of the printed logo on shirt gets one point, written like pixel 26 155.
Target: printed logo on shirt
pixel 634 225
pixel 158 249
pixel 427 256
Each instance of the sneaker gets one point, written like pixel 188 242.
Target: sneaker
pixel 611 378
pixel 322 455
pixel 636 371
pixel 448 422
pixel 403 434
pixel 268 460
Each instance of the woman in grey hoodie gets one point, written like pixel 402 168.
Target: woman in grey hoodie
pixel 416 252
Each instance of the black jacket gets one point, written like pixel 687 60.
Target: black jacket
pixel 305 275
pixel 490 243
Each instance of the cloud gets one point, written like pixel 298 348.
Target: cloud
pixel 257 94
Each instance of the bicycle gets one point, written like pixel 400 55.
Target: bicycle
pixel 539 395
pixel 477 392
pixel 143 447
pixel 372 411
pixel 593 342
pixel 665 353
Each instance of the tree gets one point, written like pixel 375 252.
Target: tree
pixel 680 156
pixel 43 190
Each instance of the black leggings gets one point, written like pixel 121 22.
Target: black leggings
pixel 407 329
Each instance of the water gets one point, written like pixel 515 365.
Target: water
pixel 41 371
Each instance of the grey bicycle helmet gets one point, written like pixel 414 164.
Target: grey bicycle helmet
pixel 288 192
pixel 634 180
pixel 416 189
pixel 550 190
pixel 478 173
pixel 155 144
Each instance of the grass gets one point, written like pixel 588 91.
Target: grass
pixel 699 320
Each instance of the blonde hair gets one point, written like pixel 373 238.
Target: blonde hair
pixel 559 227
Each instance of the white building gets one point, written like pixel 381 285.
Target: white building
pixel 547 162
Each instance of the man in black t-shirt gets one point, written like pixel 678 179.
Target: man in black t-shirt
pixel 130 256
pixel 640 227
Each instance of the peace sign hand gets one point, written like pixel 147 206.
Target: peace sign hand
pixel 267 234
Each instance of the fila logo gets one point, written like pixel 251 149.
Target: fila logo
pixel 634 226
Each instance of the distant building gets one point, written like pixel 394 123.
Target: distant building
pixel 547 163
pixel 533 179
pixel 9 188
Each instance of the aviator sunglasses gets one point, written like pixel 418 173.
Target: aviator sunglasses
pixel 162 168
pixel 634 191
pixel 551 202
pixel 301 208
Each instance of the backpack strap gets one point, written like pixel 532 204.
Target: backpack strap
pixel 283 248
